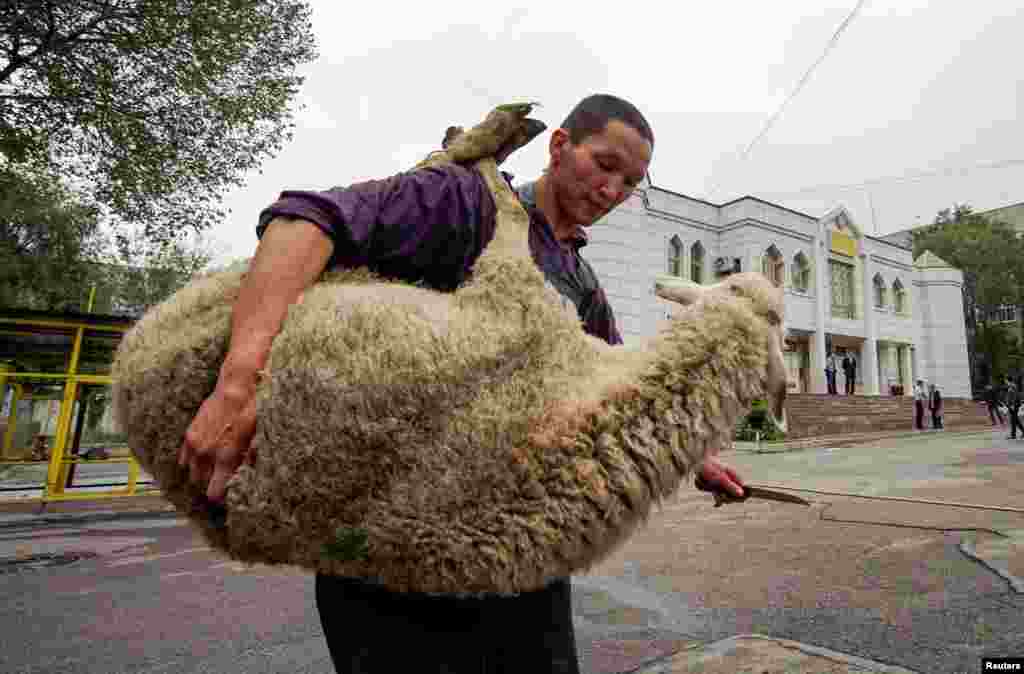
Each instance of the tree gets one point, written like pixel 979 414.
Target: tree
pixel 991 256
pixel 157 106
pixel 998 345
pixel 48 239
pixel 150 273
pixel 54 251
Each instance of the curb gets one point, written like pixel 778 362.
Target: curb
pixel 716 650
pixel 846 440
pixel 1015 583
pixel 30 521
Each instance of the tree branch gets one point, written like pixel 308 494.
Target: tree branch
pixel 15 33
pixel 52 43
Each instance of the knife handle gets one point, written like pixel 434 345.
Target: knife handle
pixel 721 496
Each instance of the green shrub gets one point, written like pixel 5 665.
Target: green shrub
pixel 757 420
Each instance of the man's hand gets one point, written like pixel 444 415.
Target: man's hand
pixel 289 258
pixel 719 477
pixel 219 438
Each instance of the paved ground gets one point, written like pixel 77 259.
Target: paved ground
pixel 846 585
pixel 152 600
pixel 26 480
pixel 880 580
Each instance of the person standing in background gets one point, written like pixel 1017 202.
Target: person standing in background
pixel 919 396
pixel 1012 399
pixel 992 400
pixel 850 372
pixel 935 405
pixel 830 372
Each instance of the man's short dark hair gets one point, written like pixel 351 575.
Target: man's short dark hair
pixel 592 114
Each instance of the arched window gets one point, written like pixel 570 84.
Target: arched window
pixel 675 256
pixel 697 263
pixel 801 273
pixel 880 299
pixel 773 266
pixel 899 297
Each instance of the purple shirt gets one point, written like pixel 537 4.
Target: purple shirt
pixel 428 227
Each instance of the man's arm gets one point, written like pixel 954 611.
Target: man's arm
pixel 427 225
pixel 421 226
pixel 289 258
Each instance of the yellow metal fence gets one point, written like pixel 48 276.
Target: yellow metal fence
pixel 46 336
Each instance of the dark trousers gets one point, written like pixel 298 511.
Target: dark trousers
pixel 936 419
pixel 919 417
pixel 830 378
pixel 993 412
pixel 851 382
pixel 1015 423
pixel 370 630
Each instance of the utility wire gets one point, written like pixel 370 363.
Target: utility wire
pixel 910 177
pixel 800 85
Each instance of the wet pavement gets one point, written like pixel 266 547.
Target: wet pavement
pixel 845 585
pixel 887 582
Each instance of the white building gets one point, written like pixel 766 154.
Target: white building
pixel 901 319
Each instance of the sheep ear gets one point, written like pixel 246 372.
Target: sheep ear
pixel 677 289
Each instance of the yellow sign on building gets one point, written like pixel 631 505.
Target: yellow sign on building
pixel 843 244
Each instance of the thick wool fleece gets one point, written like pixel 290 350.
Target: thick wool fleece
pixel 470 443
pixel 474 442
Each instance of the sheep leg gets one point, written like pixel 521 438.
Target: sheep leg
pixel 512 224
pixel 498 133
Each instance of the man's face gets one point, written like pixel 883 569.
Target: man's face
pixel 592 178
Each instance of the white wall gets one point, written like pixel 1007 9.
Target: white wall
pixel 631 245
pixel 943 335
pixel 627 249
pixel 892 264
pixel 752 209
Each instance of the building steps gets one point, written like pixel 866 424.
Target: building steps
pixel 822 415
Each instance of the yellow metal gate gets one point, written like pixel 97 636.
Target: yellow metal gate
pixel 55 395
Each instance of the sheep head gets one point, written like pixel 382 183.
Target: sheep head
pixel 766 301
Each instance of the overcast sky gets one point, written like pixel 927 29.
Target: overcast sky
pixel 911 87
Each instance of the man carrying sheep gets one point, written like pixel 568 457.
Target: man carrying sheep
pixel 428 227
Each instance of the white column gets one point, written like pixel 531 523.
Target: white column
pixel 883 365
pixel 913 367
pixel 869 353
pixel 821 295
pixel 905 353
pixel 816 351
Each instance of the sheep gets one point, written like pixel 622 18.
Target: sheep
pixel 466 443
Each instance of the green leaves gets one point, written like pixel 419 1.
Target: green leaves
pixel 991 255
pixel 757 421
pixel 54 250
pixel 158 105
pixel 998 343
pixel 988 252
pixel 45 232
